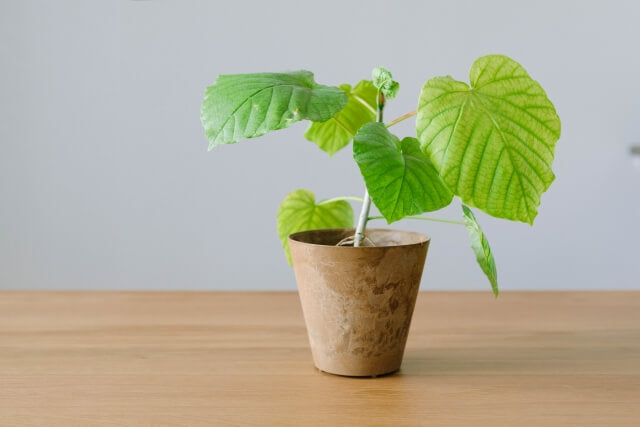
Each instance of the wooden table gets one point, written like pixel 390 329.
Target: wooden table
pixel 222 358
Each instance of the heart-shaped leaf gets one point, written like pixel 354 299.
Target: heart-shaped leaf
pixel 481 248
pixel 242 106
pixel 493 142
pixel 335 133
pixel 400 178
pixel 300 212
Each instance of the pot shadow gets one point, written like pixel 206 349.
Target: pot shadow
pixel 368 377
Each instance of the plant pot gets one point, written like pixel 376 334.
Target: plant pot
pixel 358 302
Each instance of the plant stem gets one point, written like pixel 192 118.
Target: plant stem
pixel 401 118
pixel 366 204
pixel 336 199
pixel 362 220
pixel 424 218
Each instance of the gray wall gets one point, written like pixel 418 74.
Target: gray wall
pixel 106 183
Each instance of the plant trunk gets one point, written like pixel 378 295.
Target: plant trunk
pixel 366 203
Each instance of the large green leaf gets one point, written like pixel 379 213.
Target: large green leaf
pixel 493 142
pixel 300 212
pixel 242 106
pixel 481 248
pixel 400 179
pixel 335 133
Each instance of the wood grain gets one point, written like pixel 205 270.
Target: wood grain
pixel 240 358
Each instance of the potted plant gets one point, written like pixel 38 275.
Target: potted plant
pixel 490 142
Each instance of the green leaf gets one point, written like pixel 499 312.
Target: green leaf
pixel 391 91
pixel 481 248
pixel 242 106
pixel 335 133
pixel 400 179
pixel 300 212
pixel 383 80
pixel 381 77
pixel 493 142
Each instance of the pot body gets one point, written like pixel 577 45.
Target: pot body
pixel 358 302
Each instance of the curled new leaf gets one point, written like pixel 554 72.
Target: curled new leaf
pixel 481 248
pixel 242 106
pixel 300 212
pixel 380 77
pixel 383 80
pixel 391 91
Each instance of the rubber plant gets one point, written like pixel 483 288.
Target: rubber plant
pixel 490 142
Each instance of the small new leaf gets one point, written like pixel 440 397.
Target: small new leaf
pixel 481 248
pixel 334 134
pixel 381 76
pixel 400 179
pixel 300 212
pixel 391 91
pixel 383 80
pixel 242 106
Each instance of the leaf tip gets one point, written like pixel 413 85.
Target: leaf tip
pixel 532 218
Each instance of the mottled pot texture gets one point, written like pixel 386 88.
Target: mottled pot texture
pixel 358 302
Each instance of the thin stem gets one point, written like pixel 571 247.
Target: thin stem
pixel 401 118
pixel 366 204
pixel 424 218
pixel 381 101
pixel 335 199
pixel 362 220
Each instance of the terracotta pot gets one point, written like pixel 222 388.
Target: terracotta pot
pixel 358 302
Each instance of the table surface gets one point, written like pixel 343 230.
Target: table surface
pixel 242 358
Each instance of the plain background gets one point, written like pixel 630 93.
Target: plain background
pixel 106 183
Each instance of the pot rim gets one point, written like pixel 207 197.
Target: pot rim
pixel 424 238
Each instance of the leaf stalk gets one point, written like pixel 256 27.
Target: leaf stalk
pixel 424 218
pixel 401 118
pixel 337 199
